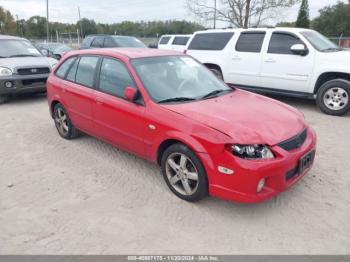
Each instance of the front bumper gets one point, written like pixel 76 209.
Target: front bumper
pixel 242 185
pixel 23 84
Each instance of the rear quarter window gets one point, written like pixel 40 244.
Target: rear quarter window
pixel 63 69
pixel 210 41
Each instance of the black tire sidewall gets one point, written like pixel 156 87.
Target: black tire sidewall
pixel 202 189
pixel 217 73
pixel 72 132
pixel 324 88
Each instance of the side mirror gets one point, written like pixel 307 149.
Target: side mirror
pixel 299 49
pixel 44 52
pixel 130 93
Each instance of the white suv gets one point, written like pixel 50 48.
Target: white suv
pixel 174 42
pixel 288 61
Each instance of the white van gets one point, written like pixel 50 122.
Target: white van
pixel 173 42
pixel 289 61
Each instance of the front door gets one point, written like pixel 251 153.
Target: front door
pixel 117 120
pixel 281 69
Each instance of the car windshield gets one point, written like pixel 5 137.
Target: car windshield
pixel 177 79
pixel 17 48
pixel 320 42
pixel 126 41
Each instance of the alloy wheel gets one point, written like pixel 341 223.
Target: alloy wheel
pixel 61 121
pixel 182 174
pixel 336 98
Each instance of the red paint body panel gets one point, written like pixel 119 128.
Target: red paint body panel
pixel 206 127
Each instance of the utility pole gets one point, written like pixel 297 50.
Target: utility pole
pixel 215 14
pixel 81 23
pixel 47 21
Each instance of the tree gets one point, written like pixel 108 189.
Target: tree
pixel 7 22
pixel 239 13
pixel 333 20
pixel 303 19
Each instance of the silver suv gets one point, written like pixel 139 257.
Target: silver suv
pixel 22 68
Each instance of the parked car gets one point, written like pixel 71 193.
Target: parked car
pixel 22 68
pixel 288 61
pixel 174 42
pixel 110 41
pixel 55 50
pixel 169 109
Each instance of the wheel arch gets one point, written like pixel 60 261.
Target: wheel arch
pixel 328 76
pixel 211 65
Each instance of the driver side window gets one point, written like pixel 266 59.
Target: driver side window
pixel 281 43
pixel 114 77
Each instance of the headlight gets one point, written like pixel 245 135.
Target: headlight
pixel 252 151
pixel 4 71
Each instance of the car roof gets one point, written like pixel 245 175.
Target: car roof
pixel 127 52
pixel 289 29
pixel 10 37
pixel 176 35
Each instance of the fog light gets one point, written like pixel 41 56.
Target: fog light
pixel 8 84
pixel 261 185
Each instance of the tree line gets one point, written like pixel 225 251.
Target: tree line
pixel 35 27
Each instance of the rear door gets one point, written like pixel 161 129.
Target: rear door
pixel 245 65
pixel 116 119
pixel 281 68
pixel 79 91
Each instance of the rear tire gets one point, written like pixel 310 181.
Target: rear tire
pixel 3 99
pixel 333 97
pixel 184 173
pixel 217 72
pixel 63 123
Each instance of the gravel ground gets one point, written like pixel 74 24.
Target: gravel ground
pixel 86 197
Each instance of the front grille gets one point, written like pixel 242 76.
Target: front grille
pixel 33 71
pixel 294 142
pixel 29 82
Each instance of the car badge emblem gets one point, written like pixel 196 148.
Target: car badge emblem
pixel 33 70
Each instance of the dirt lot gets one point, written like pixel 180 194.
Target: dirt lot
pixel 84 196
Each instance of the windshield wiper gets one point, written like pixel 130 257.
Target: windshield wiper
pixel 23 55
pixel 333 49
pixel 215 93
pixel 176 99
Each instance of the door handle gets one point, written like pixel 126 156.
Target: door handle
pixel 99 100
pixel 236 57
pixel 270 60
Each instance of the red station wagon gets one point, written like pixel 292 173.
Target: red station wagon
pixel 166 107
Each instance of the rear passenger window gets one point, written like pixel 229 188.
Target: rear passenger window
pixel 210 41
pixel 62 70
pixel 164 40
pixel 86 70
pixel 180 40
pixel 114 77
pixel 281 43
pixel 250 42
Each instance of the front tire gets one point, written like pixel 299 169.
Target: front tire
pixel 184 173
pixel 333 97
pixel 63 123
pixel 3 99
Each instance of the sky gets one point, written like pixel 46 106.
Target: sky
pixel 111 11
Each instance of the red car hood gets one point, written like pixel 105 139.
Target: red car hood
pixel 246 117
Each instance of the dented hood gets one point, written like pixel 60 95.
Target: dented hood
pixel 246 117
